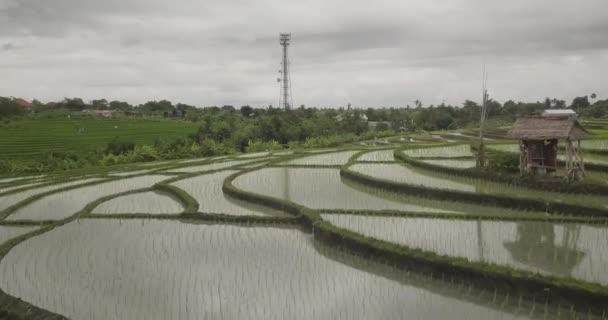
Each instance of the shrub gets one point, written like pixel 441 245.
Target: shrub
pixel 503 161
pixel 144 153
pixel 118 147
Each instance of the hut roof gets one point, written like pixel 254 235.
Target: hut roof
pixel 544 128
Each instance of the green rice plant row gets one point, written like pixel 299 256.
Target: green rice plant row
pixel 468 216
pixel 590 188
pixel 542 288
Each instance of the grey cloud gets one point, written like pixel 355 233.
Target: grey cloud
pixel 387 53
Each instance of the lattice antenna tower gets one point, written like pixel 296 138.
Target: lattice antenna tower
pixel 285 98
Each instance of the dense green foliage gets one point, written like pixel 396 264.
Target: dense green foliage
pixel 67 134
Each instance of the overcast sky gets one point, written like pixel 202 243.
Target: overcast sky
pixel 369 53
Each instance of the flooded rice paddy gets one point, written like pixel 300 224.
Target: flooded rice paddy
pixel 378 156
pixel 209 167
pixel 440 152
pixel 66 203
pixel 426 178
pixel 145 202
pixel 452 163
pixel 329 159
pixel 112 269
pixel 565 250
pixel 207 190
pixel 12 199
pixel 10 232
pixel 169 268
pixel 316 188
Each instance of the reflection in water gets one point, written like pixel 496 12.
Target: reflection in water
pixel 563 250
pixel 535 245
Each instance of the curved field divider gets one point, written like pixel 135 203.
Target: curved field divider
pixel 469 197
pixel 528 284
pixel 504 178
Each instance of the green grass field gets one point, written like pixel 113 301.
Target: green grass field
pixel 33 138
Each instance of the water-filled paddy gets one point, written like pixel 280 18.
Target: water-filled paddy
pixel 334 158
pixel 254 155
pixel 426 178
pixel 66 203
pixel 566 250
pixel 316 188
pixel 210 167
pixel 143 202
pixel 440 152
pixel 20 186
pixel 207 190
pixel 452 163
pixel 128 173
pixel 110 269
pixel 403 174
pixel 378 156
pixel 16 179
pixel 9 232
pixel 12 199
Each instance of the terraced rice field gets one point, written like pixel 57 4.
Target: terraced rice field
pixel 66 203
pixel 144 202
pixel 328 159
pixel 429 179
pixel 452 163
pixel 235 237
pixel 378 156
pixel 316 188
pixel 571 250
pixel 207 190
pixel 8 233
pixel 210 167
pixel 440 152
pixel 80 265
pixel 13 199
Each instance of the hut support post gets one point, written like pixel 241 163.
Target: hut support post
pixel 523 159
pixel 580 156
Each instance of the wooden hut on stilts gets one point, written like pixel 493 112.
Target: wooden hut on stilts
pixel 539 137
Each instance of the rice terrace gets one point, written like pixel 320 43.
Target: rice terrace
pixel 367 230
pixel 148 172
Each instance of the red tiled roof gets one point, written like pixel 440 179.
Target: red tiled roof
pixel 23 103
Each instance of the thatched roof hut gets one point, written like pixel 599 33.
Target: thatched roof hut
pixel 539 137
pixel 547 128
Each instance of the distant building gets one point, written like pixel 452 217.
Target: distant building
pixel 104 113
pixel 23 103
pixel 375 124
pixel 560 113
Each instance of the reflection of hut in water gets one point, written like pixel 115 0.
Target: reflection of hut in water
pixel 539 136
pixel 536 246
